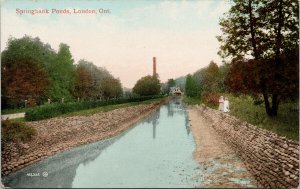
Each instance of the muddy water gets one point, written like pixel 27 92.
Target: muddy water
pixel 155 152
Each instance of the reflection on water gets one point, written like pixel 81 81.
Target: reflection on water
pixel 156 152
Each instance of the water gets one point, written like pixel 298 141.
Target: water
pixel 155 152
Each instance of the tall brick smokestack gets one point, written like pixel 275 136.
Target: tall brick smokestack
pixel 154 66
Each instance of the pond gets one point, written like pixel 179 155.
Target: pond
pixel 155 152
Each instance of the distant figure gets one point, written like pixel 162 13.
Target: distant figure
pixel 221 103
pixel 226 105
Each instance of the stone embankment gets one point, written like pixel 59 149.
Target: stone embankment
pixel 273 160
pixel 59 134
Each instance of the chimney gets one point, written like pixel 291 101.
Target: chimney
pixel 154 66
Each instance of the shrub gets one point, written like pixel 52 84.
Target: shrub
pixel 53 110
pixel 13 131
pixel 211 98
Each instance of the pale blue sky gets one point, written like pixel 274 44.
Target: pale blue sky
pixel 181 34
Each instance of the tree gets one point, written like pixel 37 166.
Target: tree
pixel 83 82
pixel 111 87
pixel 265 31
pixel 61 72
pixel 211 77
pixel 23 79
pixel 92 82
pixel 171 83
pixel 28 48
pixel 148 85
pixel 29 51
pixel 191 88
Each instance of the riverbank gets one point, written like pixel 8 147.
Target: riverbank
pixel 58 134
pixel 222 167
pixel 271 159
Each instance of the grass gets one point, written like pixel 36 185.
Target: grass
pixel 106 108
pixel 13 111
pixel 15 130
pixel 191 100
pixel 286 123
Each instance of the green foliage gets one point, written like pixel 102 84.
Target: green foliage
pixel 107 108
pixel 211 78
pixel 268 31
pixel 285 124
pixel 14 131
pixel 53 110
pixel 191 100
pixel 27 48
pixel 148 85
pixel 61 72
pixel 259 28
pixel 33 71
pixel 191 88
pixel 171 83
pixel 24 65
pixel 111 88
pixel 92 82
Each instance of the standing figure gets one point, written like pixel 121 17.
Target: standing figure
pixel 226 105
pixel 221 103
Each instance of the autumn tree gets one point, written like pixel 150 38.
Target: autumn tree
pixel 111 87
pixel 263 33
pixel 23 51
pixel 83 82
pixel 92 82
pixel 148 85
pixel 23 79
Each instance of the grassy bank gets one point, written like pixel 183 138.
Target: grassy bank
pixel 16 129
pixel 191 100
pixel 54 110
pixel 107 108
pixel 285 124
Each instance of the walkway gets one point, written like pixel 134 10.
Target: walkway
pixel 222 166
pixel 13 116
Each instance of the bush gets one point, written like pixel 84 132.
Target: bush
pixel 211 98
pixel 13 131
pixel 53 110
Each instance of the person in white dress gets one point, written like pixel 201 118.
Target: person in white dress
pixel 226 105
pixel 221 103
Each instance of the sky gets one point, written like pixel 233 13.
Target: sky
pixel 180 34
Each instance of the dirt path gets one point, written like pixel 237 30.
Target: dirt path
pixel 222 166
pixel 62 133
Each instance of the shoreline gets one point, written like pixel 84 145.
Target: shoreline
pixel 222 167
pixel 56 135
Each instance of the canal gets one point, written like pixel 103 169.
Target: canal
pixel 155 152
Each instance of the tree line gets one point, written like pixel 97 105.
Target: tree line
pixel 31 70
pixel 260 49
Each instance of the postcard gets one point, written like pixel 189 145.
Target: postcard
pixel 150 94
